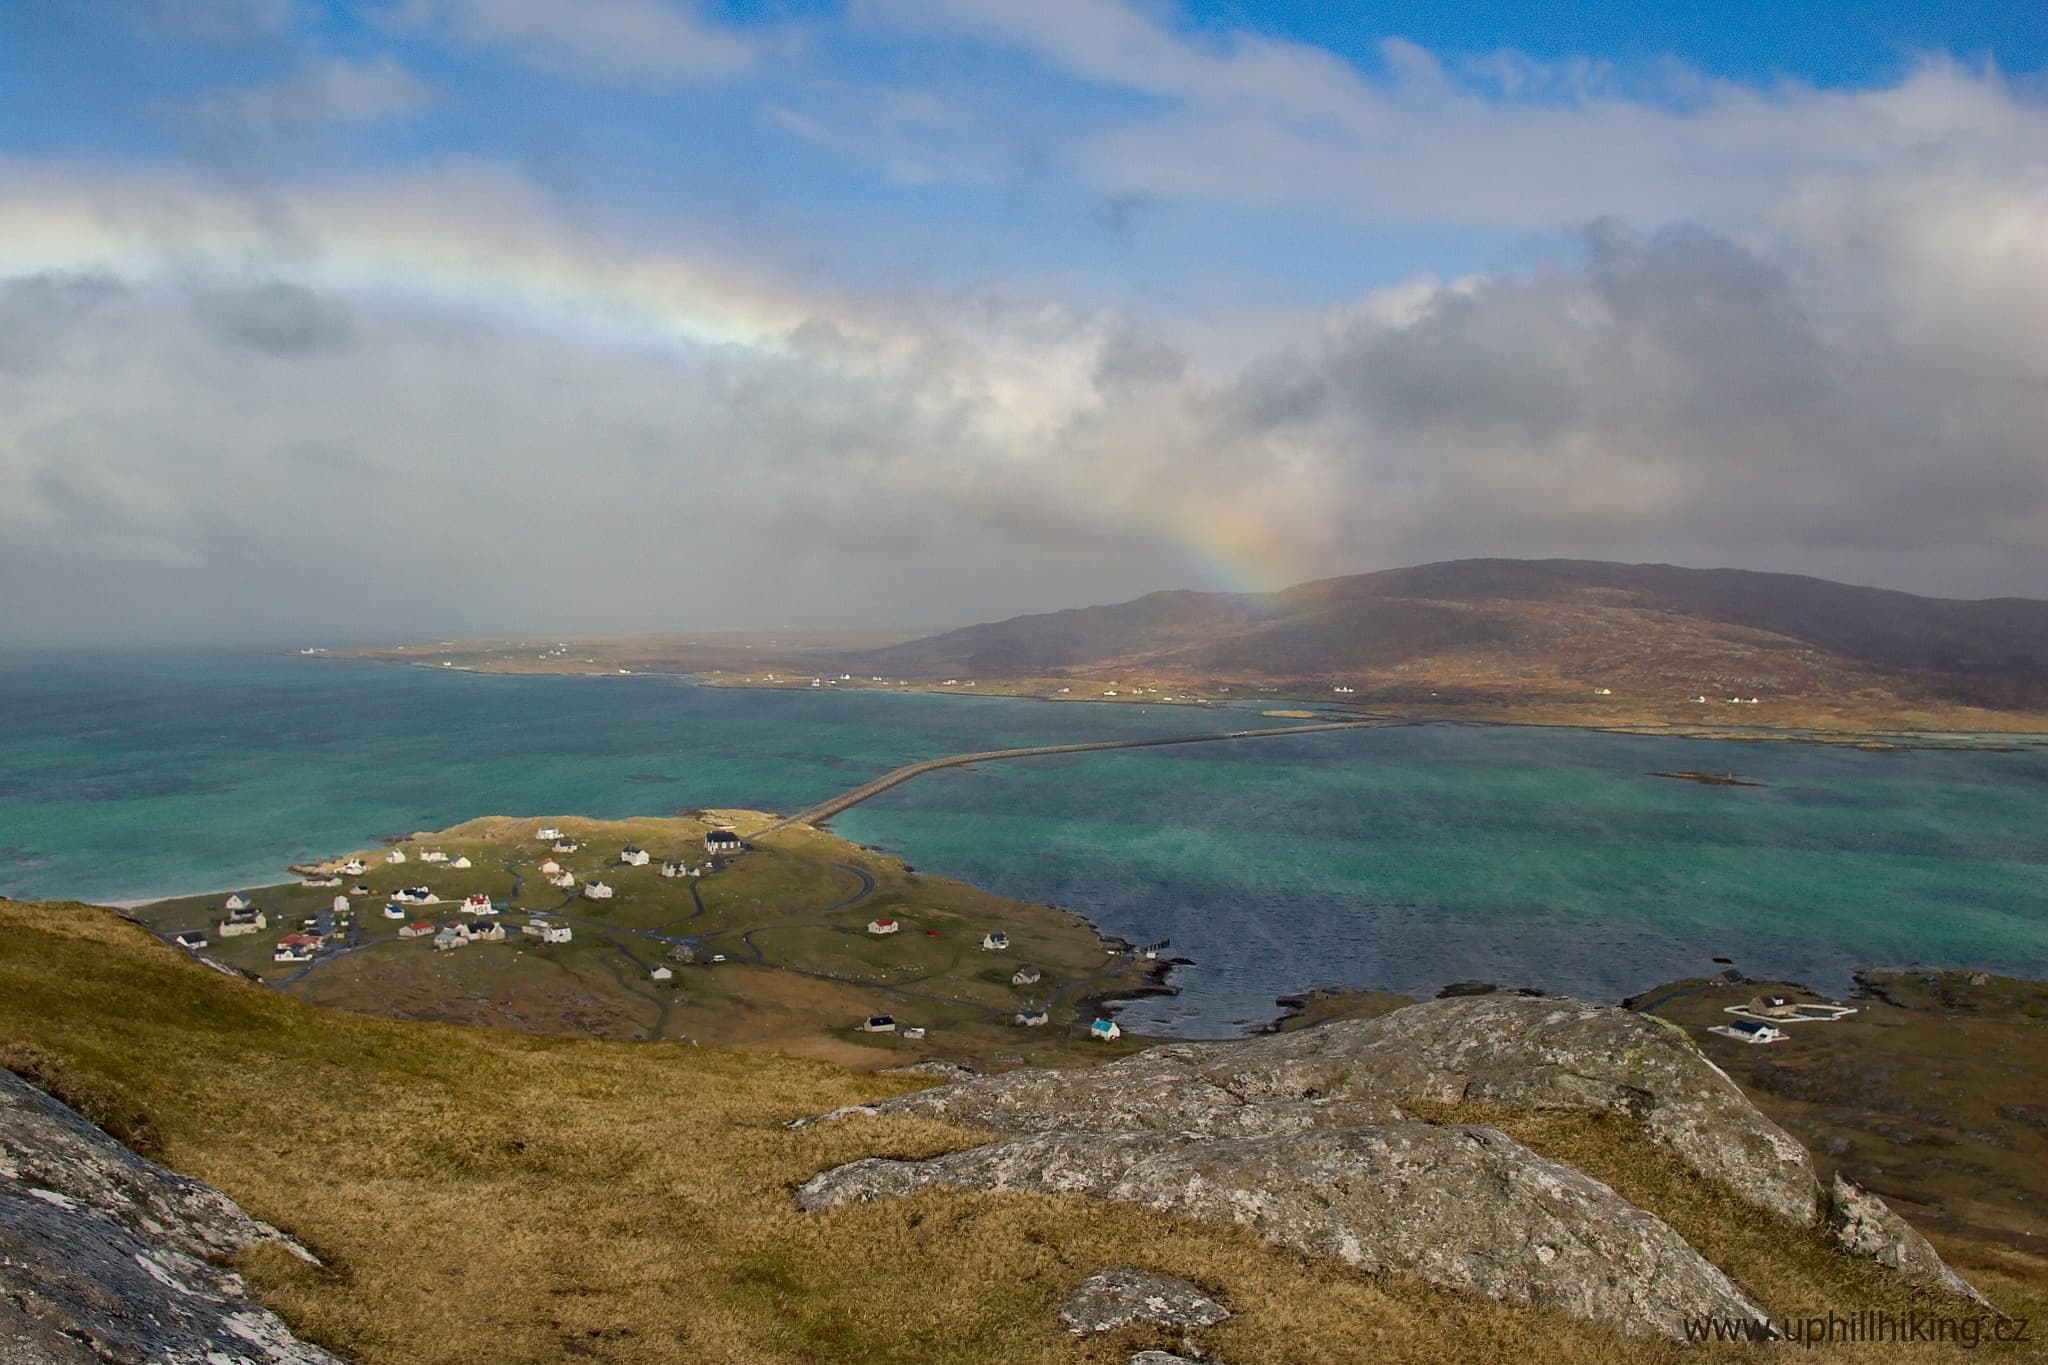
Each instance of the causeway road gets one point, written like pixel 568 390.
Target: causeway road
pixel 825 810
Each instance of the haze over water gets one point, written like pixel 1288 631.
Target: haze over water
pixel 1401 858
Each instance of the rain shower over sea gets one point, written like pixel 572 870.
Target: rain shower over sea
pixel 1401 858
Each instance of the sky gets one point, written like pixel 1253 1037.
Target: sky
pixel 331 322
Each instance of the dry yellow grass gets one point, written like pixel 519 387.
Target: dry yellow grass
pixel 491 1197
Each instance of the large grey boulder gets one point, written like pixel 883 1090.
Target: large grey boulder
pixel 107 1257
pixel 1866 1225
pixel 1464 1207
pixel 1540 1053
pixel 1111 1300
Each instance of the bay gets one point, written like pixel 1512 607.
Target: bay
pixel 1401 858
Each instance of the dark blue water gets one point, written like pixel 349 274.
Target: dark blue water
pixel 1401 858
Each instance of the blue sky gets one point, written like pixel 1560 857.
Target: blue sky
pixel 1095 296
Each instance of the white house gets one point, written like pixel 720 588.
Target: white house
pixel 1033 1018
pixel 417 929
pixel 1749 1031
pixel 393 910
pixel 548 932
pixel 995 941
pixel 484 931
pixel 675 867
pixel 433 855
pixel 565 880
pixel 1105 1031
pixel 463 862
pixel 293 953
pixel 550 868
pixel 243 922
pixel 597 891
pixel 395 856
pixel 352 868
pixel 722 841
pixel 566 846
pixel 883 926
pixel 633 856
pixel 479 904
pixel 1027 976
pixel 450 938
pixel 879 1023
pixel 190 938
pixel 238 901
pixel 661 974
pixel 340 905
pixel 913 1033
pixel 550 832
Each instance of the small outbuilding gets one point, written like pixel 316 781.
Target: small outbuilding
pixel 1025 976
pixel 1105 1031
pixel 1749 1031
pixel 190 938
pixel 995 941
pixel 661 974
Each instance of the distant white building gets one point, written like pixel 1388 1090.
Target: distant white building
pixel 393 910
pixel 661 974
pixel 242 922
pixel 238 901
pixel 340 906
pixel 675 867
pixel 1026 976
pixel 566 846
pixel 462 862
pixel 565 880
pixel 995 941
pixel 395 856
pixel 597 891
pixel 1105 1031
pixel 883 926
pixel 722 841
pixel 1750 1031
pixel 352 868
pixel 550 868
pixel 879 1023
pixel 433 855
pixel 479 904
pixel 633 856
pixel 190 938
pixel 1033 1018
pixel 550 832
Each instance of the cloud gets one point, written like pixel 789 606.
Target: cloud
pixel 1498 140
pixel 326 91
pixel 275 318
pixel 599 39
pixel 495 419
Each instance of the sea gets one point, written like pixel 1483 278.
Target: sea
pixel 1403 858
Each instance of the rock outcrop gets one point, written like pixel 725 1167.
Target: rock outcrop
pixel 1111 1300
pixel 1541 1053
pixel 107 1257
pixel 1465 1207
pixel 1304 1138
pixel 1865 1225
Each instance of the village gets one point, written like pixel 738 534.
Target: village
pixel 723 927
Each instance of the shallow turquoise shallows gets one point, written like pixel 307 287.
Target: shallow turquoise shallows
pixel 1402 858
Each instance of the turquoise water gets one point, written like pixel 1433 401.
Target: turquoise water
pixel 1402 858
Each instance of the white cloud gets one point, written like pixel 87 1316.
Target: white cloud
pixel 1496 140
pixel 604 39
pixel 330 90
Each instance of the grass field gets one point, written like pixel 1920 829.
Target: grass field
pixel 489 1196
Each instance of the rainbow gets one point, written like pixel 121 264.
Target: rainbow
pixel 498 257
pixel 495 258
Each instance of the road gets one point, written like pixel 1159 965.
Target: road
pixel 825 810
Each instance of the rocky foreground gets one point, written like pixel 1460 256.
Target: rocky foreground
pixel 107 1257
pixel 1307 1139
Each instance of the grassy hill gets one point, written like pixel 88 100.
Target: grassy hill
pixel 1523 629
pixel 488 1196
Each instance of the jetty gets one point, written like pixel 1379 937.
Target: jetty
pixel 825 810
